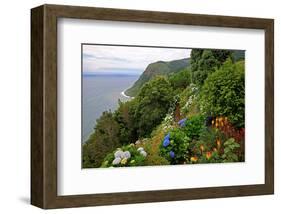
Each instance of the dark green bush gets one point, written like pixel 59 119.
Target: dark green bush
pixel 153 103
pixel 205 62
pixel 194 126
pixel 230 151
pixel 180 80
pixel 223 93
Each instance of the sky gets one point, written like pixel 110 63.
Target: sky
pixel 102 59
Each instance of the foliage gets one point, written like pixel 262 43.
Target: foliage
pixel 210 149
pixel 129 155
pixel 153 101
pixel 223 93
pixel 102 141
pixel 180 80
pixel 210 139
pixel 205 62
pixel 194 126
pixel 88 160
pixel 124 116
pixel 230 148
pixel 174 146
pixel 189 101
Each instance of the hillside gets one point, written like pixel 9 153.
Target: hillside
pixel 157 68
pixel 238 55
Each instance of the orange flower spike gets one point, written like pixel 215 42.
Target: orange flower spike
pixel 213 122
pixel 218 143
pixel 202 148
pixel 208 155
pixel 194 159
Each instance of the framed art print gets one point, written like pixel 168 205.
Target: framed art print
pixel 140 106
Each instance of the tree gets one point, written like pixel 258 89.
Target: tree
pixel 194 58
pixel 205 62
pixel 153 103
pixel 180 80
pixel 124 115
pixel 223 93
pixel 104 140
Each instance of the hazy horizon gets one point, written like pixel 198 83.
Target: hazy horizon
pixel 125 60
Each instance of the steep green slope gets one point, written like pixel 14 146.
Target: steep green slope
pixel 238 55
pixel 154 69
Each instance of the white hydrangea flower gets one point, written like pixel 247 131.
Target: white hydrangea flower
pixel 127 154
pixel 116 161
pixel 137 142
pixel 143 153
pixel 140 149
pixel 118 154
pixel 122 155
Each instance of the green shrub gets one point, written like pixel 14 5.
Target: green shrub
pixel 174 146
pixel 230 149
pixel 223 93
pixel 194 126
pixel 209 136
pixel 180 80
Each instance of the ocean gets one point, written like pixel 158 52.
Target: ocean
pixel 101 93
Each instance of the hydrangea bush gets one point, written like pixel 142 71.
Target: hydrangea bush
pixel 175 146
pixel 193 141
pixel 129 155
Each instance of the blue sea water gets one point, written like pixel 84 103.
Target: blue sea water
pixel 101 93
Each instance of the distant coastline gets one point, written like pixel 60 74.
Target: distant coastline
pixel 123 94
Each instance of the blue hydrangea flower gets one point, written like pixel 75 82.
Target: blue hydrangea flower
pixel 182 122
pixel 166 142
pixel 172 154
pixel 167 136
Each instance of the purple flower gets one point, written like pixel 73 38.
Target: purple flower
pixel 181 123
pixel 166 142
pixel 172 154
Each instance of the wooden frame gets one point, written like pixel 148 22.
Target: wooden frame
pixel 44 106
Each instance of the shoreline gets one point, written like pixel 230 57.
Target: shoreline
pixel 123 94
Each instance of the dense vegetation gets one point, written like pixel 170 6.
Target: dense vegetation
pixel 192 114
